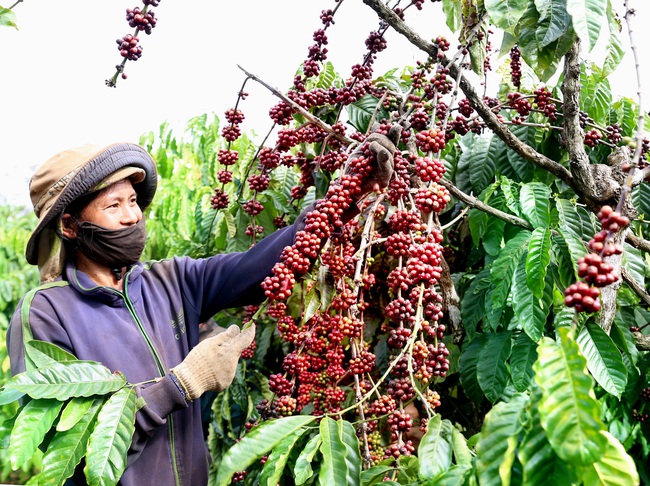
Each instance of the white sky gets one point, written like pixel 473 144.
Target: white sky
pixel 53 95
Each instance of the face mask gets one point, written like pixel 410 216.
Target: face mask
pixel 111 248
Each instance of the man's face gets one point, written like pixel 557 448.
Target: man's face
pixel 115 207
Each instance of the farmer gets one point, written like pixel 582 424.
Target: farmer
pixel 99 302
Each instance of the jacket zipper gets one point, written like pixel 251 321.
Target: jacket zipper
pixel 161 371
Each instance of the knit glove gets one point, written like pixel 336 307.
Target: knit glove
pixel 383 148
pixel 211 365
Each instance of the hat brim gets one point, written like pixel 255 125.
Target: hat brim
pixel 107 162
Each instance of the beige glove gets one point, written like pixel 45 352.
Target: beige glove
pixel 383 147
pixel 211 365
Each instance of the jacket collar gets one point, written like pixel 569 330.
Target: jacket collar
pixel 81 282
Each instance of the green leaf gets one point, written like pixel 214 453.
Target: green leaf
pixel 462 453
pixel 588 17
pixel 598 105
pixel 554 21
pixel 505 14
pixel 522 358
pixel 535 203
pixel 452 11
pixel 277 460
pixel 111 438
pixel 511 195
pixel 468 364
pixel 312 303
pixel 493 237
pixel 256 443
pixel 574 245
pixel 31 425
pixel 67 448
pixel 641 199
pixel 435 448
pixel 73 412
pixel 8 18
pixel 614 49
pixel 478 50
pixel 531 311
pixel 340 448
pixel 569 411
pixel 539 256
pixel 523 169
pixel 495 449
pixel 603 358
pixel 540 464
pixel 502 272
pixel 473 303
pixel 42 353
pixel 615 467
pixel 477 221
pixel 361 112
pixel 302 470
pixel 634 263
pixel 480 155
pixel 492 368
pixel 375 475
pixel 9 395
pixel 574 218
pixel 485 152
pixel 66 380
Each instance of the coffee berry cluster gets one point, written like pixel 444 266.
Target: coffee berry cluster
pixel 594 271
pixel 142 20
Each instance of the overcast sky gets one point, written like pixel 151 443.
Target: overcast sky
pixel 53 68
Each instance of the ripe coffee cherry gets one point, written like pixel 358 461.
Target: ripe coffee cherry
pixel 280 285
pixel 592 137
pixel 595 271
pixel 397 244
pixel 219 200
pixel 279 385
pixel 582 297
pixel 364 363
pixel 429 169
pixel 398 279
pixel 142 21
pixel 432 140
pixel 282 113
pixel 295 260
pixel 465 107
pixel 515 66
pixel 228 157
pixel 129 48
pixel 253 207
pixel 521 105
pixel 432 199
pixel 611 220
pixel 259 182
pixel 224 176
pixel 234 117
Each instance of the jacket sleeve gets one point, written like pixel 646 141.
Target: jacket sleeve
pixel 161 397
pixel 234 279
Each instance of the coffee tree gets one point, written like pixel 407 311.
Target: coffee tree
pixel 480 319
pixel 483 319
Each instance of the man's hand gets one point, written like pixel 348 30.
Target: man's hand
pixel 211 365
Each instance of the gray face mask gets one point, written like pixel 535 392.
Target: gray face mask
pixel 114 249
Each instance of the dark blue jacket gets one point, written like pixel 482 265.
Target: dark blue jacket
pixel 144 331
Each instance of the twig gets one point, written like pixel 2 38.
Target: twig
pixel 472 201
pixel 316 121
pixel 637 242
pixel 629 12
